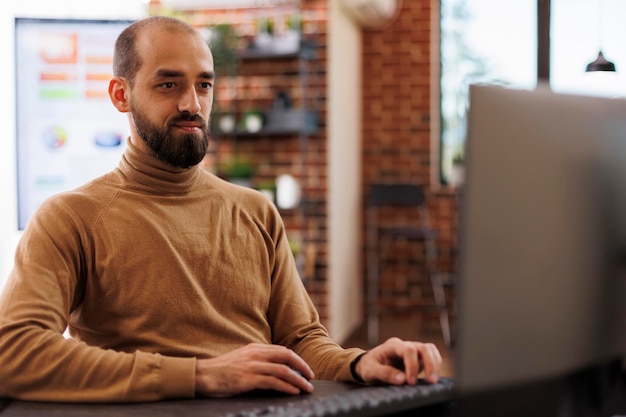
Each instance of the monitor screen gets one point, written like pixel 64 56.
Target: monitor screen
pixel 543 231
pixel 68 132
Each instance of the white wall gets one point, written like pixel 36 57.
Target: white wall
pixel 344 173
pixel 108 9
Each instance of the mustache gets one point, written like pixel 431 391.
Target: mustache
pixel 187 117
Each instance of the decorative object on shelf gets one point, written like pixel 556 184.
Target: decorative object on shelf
pixel 252 121
pixel 294 22
pixel 282 101
pixel 287 192
pixel 283 117
pixel 265 33
pixel 238 170
pixel 289 40
pixel 226 122
pixel 280 34
pixel 291 120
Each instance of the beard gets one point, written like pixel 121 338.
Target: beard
pixel 180 151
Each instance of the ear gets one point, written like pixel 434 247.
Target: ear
pixel 119 93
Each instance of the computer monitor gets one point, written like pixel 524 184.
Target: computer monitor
pixel 67 131
pixel 543 232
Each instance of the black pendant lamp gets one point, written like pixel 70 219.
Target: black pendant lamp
pixel 600 64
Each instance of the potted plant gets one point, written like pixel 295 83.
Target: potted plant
pixel 265 32
pixel 268 187
pixel 251 121
pixel 289 40
pixel 224 42
pixel 238 170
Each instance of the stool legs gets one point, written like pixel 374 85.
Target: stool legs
pixel 373 288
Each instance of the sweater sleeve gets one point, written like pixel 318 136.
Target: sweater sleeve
pixel 295 321
pixel 36 361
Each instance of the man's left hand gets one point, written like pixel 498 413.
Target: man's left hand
pixel 399 362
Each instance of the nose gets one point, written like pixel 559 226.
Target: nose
pixel 189 101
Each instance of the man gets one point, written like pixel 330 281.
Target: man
pixel 172 282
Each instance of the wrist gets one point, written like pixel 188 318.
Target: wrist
pixel 353 370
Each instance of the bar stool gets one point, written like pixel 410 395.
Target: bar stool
pixel 380 236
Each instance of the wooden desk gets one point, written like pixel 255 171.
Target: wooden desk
pixel 208 407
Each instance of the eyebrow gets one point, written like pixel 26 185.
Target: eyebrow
pixel 165 73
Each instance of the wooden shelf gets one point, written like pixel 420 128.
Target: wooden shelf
pixel 282 123
pixel 306 50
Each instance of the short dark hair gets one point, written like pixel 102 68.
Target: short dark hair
pixel 126 58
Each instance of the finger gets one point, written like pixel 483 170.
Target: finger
pixel 432 373
pixel 430 361
pixel 290 358
pixel 405 357
pixel 297 379
pixel 391 375
pixel 299 366
pixel 281 374
pixel 411 360
pixel 269 382
pixel 417 357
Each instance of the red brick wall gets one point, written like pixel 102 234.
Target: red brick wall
pixel 397 140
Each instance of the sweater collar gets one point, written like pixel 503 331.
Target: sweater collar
pixel 145 171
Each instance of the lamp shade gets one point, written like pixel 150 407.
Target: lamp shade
pixel 600 64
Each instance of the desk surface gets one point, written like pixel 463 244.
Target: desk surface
pixel 208 407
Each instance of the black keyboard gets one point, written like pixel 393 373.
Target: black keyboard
pixel 370 401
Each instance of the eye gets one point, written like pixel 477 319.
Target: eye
pixel 206 85
pixel 167 85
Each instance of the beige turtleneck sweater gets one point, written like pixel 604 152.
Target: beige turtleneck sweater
pixel 151 267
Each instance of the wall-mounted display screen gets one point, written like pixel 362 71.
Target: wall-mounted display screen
pixel 68 132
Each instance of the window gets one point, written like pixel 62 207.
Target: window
pixel 494 41
pixel 482 41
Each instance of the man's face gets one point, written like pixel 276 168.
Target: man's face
pixel 171 146
pixel 170 101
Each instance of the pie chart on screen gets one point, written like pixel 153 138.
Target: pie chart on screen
pixel 54 137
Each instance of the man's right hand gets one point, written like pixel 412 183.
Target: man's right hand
pixel 255 366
